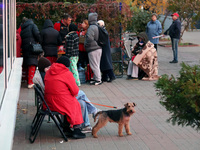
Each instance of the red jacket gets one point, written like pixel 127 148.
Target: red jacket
pixel 18 44
pixel 60 93
pixel 81 45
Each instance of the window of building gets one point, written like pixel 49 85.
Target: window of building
pixel 2 70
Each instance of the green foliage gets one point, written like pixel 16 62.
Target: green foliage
pixel 181 96
pixel 188 11
pixel 139 21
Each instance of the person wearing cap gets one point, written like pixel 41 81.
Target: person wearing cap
pixel 43 65
pixel 174 32
pixel 153 29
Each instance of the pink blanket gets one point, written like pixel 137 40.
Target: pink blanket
pixel 147 61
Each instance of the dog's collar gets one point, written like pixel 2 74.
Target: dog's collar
pixel 125 112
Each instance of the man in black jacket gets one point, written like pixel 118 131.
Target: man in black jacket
pixel 174 33
pixel 50 39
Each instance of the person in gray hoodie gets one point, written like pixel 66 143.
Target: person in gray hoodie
pixel 93 49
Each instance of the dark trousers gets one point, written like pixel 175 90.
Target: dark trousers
pixel 83 59
pixel 108 74
pixel 156 46
pixel 141 74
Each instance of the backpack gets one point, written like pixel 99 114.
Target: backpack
pixel 103 36
pixel 88 73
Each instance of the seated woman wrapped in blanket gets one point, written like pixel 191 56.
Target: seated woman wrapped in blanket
pixel 144 63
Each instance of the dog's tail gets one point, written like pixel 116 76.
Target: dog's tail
pixel 95 117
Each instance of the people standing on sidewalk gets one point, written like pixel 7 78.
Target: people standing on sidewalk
pixel 93 49
pixel 72 51
pixel 50 39
pixel 153 29
pixel 174 32
pixel 106 59
pixel 63 26
pixel 30 35
pixel 83 56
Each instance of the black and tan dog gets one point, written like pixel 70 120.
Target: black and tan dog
pixel 120 116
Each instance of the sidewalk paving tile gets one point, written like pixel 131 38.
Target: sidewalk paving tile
pixel 149 128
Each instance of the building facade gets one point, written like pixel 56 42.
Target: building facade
pixel 10 73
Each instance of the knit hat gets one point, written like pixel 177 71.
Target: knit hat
pixel 64 60
pixel 73 27
pixel 43 63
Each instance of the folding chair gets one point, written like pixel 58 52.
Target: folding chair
pixel 40 115
pixel 117 61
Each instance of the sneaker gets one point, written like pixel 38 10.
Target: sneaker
pixel 97 82
pixel 87 129
pixel 92 81
pixel 112 79
pixel 77 134
pixel 30 86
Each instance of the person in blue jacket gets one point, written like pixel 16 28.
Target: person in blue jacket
pixel 153 29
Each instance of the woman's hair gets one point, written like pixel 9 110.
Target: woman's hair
pixel 86 22
pixel 101 23
pixel 154 14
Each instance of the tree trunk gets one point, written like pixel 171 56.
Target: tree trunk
pixel 163 22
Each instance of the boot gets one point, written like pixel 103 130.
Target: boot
pixel 77 134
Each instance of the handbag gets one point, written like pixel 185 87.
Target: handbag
pixel 81 39
pixel 36 49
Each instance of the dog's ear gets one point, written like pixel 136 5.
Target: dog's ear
pixel 134 104
pixel 126 105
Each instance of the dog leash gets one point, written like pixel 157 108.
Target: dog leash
pixel 102 105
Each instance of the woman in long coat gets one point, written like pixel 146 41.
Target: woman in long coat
pixel 60 94
pixel 29 34
pixel 106 60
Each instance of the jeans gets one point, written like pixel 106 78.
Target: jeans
pixel 175 48
pixel 86 108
